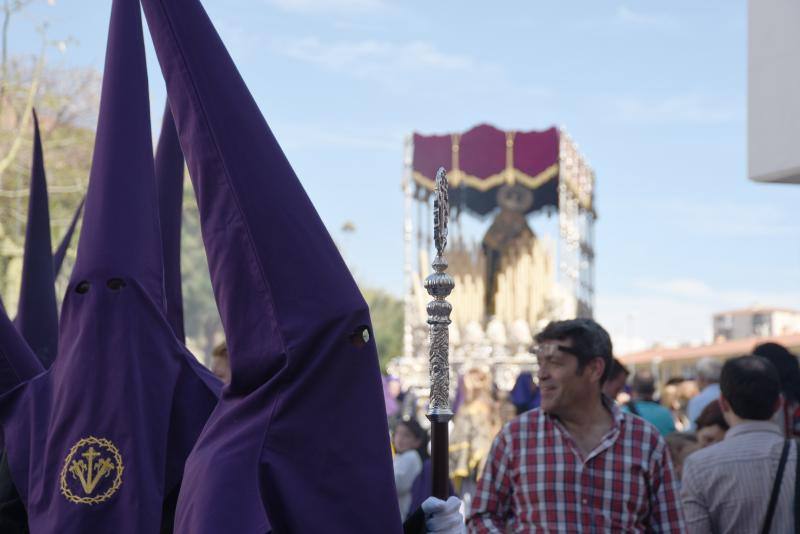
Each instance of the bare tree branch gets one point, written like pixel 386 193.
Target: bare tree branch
pixel 26 115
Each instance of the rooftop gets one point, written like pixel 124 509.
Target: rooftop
pixel 756 309
pixel 723 349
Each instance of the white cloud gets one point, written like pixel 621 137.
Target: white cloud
pixel 628 16
pixel 376 59
pixel 297 136
pixel 327 6
pixel 680 287
pixel 726 219
pixel 678 109
pixel 419 67
pixel 242 44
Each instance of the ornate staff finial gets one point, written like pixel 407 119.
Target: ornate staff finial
pixel 441 212
pixel 439 285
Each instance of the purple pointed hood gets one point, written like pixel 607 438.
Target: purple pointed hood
pixel 61 251
pixel 37 314
pixel 98 442
pixel 169 179
pixel 120 234
pixel 302 426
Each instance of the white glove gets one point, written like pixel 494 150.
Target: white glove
pixel 443 517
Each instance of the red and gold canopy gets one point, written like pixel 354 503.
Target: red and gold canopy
pixel 482 160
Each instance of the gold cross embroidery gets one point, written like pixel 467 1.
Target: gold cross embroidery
pixel 89 473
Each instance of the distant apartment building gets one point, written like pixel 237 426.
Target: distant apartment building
pixel 755 322
pixel 736 333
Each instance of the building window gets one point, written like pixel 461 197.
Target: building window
pixel 761 324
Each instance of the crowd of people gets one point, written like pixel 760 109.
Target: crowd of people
pixel 590 445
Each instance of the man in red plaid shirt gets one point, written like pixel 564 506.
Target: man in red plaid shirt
pixel 578 463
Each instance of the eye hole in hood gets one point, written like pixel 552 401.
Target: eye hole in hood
pixel 82 287
pixel 360 336
pixel 115 284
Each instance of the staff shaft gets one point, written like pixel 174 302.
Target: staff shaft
pixel 440 460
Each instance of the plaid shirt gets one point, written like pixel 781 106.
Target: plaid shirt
pixel 536 480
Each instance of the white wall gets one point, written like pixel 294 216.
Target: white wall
pixel 773 113
pixel 785 323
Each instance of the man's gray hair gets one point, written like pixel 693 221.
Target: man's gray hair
pixel 708 369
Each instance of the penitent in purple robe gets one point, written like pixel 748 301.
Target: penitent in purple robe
pixel 97 444
pixel 18 364
pixel 22 358
pixel 299 441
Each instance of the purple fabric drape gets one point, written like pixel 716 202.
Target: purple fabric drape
pixel 423 486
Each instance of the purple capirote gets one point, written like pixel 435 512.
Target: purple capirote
pixel 169 180
pixel 299 441
pixel 37 312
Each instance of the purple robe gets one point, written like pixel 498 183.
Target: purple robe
pixel 422 488
pixel 299 441
pixel 98 442
pixel 18 364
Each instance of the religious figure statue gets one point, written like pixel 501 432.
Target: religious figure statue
pixel 509 231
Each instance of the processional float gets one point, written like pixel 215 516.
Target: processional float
pixel 514 280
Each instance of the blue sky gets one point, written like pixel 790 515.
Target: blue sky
pixel 653 92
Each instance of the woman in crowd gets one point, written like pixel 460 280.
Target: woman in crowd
pixel 711 425
pixel 671 399
pixel 411 449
